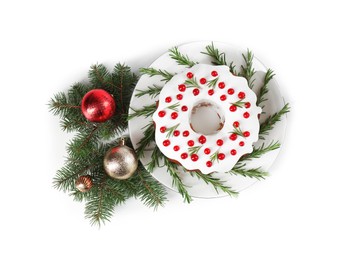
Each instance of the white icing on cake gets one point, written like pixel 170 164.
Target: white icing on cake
pixel 204 94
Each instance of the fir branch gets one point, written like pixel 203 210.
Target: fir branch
pixel 192 83
pixel 255 173
pixel 66 176
pixel 70 123
pixel 149 136
pixel 264 89
pixel 153 91
pixel 215 182
pixel 117 189
pixel 58 107
pixel 212 83
pixel 113 127
pixel 100 207
pixel 106 193
pixel 67 106
pixel 123 82
pixel 86 151
pixel 176 180
pixel 99 76
pixel 59 104
pixel 154 72
pixel 149 190
pixel 145 111
pixel 87 138
pixel 170 130
pixel 194 150
pixel 181 59
pixel 82 144
pixel 76 93
pixel 258 152
pixel 80 196
pixel 270 122
pixel 247 70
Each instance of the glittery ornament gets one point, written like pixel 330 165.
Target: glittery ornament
pixel 98 105
pixel 83 183
pixel 120 162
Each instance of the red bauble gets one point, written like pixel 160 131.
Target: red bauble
pixel 98 105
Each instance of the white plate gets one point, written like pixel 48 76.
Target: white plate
pixel 195 187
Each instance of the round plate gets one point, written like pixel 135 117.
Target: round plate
pixel 196 187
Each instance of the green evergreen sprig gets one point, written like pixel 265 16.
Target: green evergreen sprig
pixel 259 151
pixel 194 149
pixel 153 91
pixel 256 173
pixel 156 72
pixel 106 193
pixel 237 131
pixel 181 59
pixel 214 156
pixel 192 83
pixel 219 58
pixel 215 182
pixel 156 156
pixel 148 190
pixel 149 136
pixel 145 111
pixel 239 103
pixel 87 148
pixel 247 70
pixel 212 83
pixel 172 169
pixel 270 122
pixel 261 96
pixel 171 130
pixel 174 107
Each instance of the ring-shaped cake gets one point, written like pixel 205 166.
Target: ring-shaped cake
pixel 206 119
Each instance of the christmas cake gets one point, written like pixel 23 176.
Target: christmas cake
pixel 206 118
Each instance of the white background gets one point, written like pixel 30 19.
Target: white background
pixel 47 45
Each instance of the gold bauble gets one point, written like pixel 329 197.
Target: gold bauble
pixel 83 183
pixel 120 162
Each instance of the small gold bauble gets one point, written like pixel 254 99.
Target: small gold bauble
pixel 120 162
pixel 83 183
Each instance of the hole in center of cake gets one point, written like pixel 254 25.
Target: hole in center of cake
pixel 206 118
